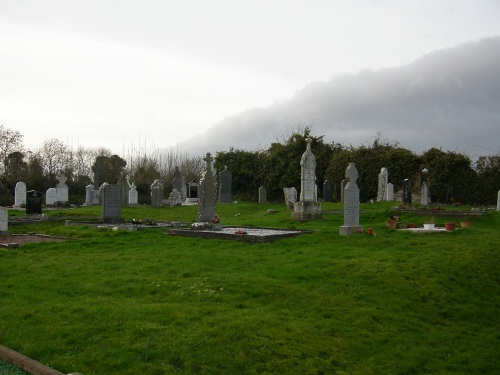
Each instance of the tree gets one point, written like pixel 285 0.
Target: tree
pixel 55 156
pixel 488 179
pixel 10 141
pixel 110 168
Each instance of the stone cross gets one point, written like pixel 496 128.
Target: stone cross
pixel 308 175
pixel 207 197
pixel 225 180
pixel 383 178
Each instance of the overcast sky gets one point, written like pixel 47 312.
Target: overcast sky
pixel 118 73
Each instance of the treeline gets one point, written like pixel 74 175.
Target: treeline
pixel 452 177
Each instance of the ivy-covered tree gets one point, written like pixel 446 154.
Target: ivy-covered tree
pixel 488 181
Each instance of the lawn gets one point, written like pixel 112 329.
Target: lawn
pixel 122 302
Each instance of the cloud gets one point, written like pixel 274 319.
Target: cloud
pixel 447 99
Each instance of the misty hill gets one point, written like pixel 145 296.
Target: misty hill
pixel 449 99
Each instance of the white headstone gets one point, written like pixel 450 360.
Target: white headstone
pixel 175 198
pixel 424 200
pixel 133 195
pixel 20 194
pixel 383 179
pixel 389 192
pixel 4 221
pixel 62 189
pixel 290 196
pixel 308 175
pixel 351 202
pixel 51 196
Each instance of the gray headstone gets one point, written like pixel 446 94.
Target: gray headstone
pixel 111 203
pixel 343 183
pixel 175 198
pixel 91 196
pixel 389 192
pixel 351 202
pixel 262 195
pixel 207 199
pixel 407 192
pixel 290 196
pixel 327 191
pixel 124 189
pixel 177 180
pixel 51 196
pixel 62 189
pixel 424 200
pixel 4 221
pixel 308 175
pixel 19 194
pixel 133 195
pixel 33 202
pixel 156 193
pixel 498 201
pixel 383 179
pixel 225 181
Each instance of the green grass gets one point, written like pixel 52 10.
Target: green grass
pixel 119 302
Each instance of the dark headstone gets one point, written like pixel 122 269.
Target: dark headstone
pixel 33 202
pixel 193 189
pixel 111 204
pixel 327 191
pixel 225 180
pixel 407 192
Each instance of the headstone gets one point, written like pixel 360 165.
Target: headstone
pixel 100 192
pixel 383 179
pixel 498 201
pixel 91 196
pixel 192 192
pixel 424 200
pixel 207 200
pixel 111 203
pixel 262 195
pixel 4 222
pixel 175 198
pixel 133 195
pixel 51 196
pixel 62 189
pixel 389 192
pixel 290 197
pixel 308 208
pixel 123 185
pixel 20 194
pixel 33 202
pixel 177 180
pixel 327 191
pixel 407 192
pixel 183 188
pixel 343 183
pixel 351 203
pixel 156 193
pixel 225 180
pixel 96 168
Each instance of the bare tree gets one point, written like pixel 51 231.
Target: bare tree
pixel 10 141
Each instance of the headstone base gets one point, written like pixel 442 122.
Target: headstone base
pixel 307 211
pixel 111 220
pixel 191 201
pixel 347 230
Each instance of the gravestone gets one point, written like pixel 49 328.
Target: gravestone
pixel 175 198
pixel 207 199
pixel 91 196
pixel 225 180
pixel 389 192
pixel 343 183
pixel 383 179
pixel 62 189
pixel 308 208
pixel 133 195
pixel 290 197
pixel 123 185
pixel 51 196
pixel 19 194
pixel 192 192
pixel 156 193
pixel 100 191
pixel 33 202
pixel 498 201
pixel 407 192
pixel 327 191
pixel 96 168
pixel 351 203
pixel 177 180
pixel 424 199
pixel 111 203
pixel 262 195
pixel 4 222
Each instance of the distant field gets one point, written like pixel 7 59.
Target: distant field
pixel 122 302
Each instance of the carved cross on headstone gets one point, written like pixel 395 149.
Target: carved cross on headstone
pixel 61 178
pixel 351 173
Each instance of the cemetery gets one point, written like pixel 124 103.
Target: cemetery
pixel 198 281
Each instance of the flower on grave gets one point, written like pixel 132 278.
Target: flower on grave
pixel 215 219
pixel 240 231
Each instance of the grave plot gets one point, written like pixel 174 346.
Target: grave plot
pixel 244 234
